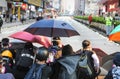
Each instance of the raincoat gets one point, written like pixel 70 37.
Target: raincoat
pixel 69 64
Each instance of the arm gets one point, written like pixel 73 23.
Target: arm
pixel 96 61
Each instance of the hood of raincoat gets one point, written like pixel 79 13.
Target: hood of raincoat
pixel 69 62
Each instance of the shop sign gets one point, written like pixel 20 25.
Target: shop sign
pixel 35 2
pixel 112 7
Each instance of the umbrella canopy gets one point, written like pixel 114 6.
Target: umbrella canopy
pixel 25 36
pixel 52 28
pixel 115 34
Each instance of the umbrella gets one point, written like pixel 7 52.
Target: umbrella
pixel 115 34
pixel 25 36
pixel 52 28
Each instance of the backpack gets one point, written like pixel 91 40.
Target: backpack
pixel 116 72
pixel 35 72
pixel 25 59
pixel 85 67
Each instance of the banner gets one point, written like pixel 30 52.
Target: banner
pixel 35 2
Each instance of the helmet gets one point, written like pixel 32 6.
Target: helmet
pixel 7 53
pixel 42 54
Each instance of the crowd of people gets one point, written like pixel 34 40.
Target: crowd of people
pixel 55 62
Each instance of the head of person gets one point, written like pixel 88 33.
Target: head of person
pixel 58 40
pixel 42 54
pixel 55 43
pixel 67 50
pixel 116 59
pixel 86 44
pixel 5 42
pixel 28 45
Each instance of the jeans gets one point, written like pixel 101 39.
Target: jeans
pixel 108 29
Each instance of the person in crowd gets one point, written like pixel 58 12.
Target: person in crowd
pixel 11 17
pixel 114 72
pixel 55 49
pixel 57 38
pixel 7 52
pixel 109 21
pixel 1 23
pixel 94 60
pixel 25 61
pixel 40 70
pixel 4 75
pixel 22 18
pixel 39 18
pixel 65 66
pixel 90 19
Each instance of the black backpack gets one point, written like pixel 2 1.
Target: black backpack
pixel 25 59
pixel 85 69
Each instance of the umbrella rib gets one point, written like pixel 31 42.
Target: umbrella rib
pixel 67 33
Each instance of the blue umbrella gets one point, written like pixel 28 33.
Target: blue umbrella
pixel 52 28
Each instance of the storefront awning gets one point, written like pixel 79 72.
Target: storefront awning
pixel 3 3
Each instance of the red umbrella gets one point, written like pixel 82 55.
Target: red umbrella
pixel 25 36
pixel 42 40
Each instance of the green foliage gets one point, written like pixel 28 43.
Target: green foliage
pixel 82 17
pixel 98 19
pixel 116 23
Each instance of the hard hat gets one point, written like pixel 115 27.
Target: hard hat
pixel 7 53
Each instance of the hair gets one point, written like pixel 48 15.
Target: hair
pixel 28 45
pixel 85 44
pixel 5 42
pixel 67 50
pixel 42 54
pixel 56 38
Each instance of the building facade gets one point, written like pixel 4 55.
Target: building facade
pixel 111 6
pixel 83 7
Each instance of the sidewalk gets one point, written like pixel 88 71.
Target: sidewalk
pixel 17 23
